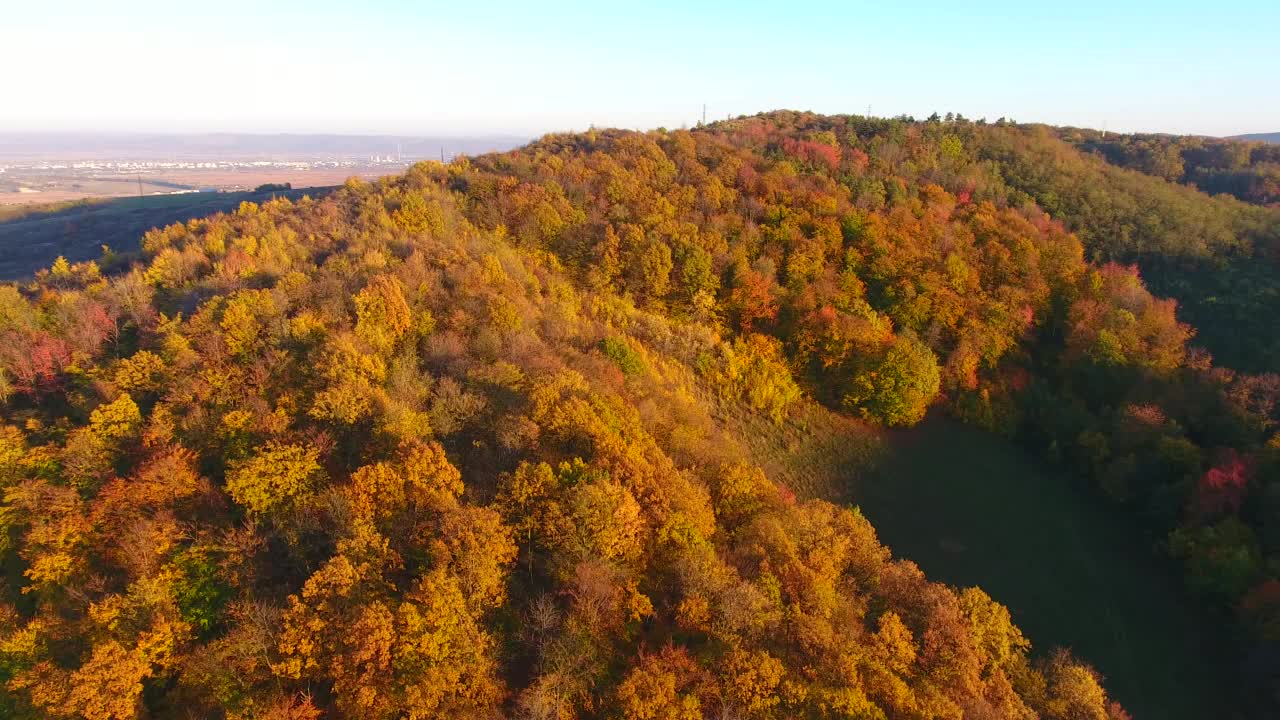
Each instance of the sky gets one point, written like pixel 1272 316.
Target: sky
pixel 470 67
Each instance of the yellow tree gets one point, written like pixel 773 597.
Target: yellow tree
pixel 250 319
pixel 424 656
pixel 750 680
pixel 667 685
pixel 478 548
pixel 116 420
pixel 382 314
pixel 353 381
pixel 276 476
pixel 421 479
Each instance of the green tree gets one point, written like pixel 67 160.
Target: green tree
pixel 897 387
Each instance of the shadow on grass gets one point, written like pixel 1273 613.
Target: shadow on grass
pixel 973 509
pixel 31 237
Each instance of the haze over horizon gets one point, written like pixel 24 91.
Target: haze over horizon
pixel 401 68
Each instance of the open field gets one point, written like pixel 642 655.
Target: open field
pixel 31 237
pixel 249 179
pixel 973 509
pixel 61 191
pixel 51 188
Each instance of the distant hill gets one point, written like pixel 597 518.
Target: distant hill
pixel 1244 166
pixel 1272 137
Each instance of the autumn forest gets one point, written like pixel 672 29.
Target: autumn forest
pixel 482 440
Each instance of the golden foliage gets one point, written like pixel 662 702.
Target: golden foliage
pixel 143 372
pixel 276 476
pixel 116 420
pixel 382 314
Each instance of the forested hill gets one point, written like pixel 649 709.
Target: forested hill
pixel 1273 137
pixel 1247 166
pixel 1216 256
pixel 459 443
pixel 907 263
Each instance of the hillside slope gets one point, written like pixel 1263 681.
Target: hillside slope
pixel 529 434
pixel 360 456
pixel 903 262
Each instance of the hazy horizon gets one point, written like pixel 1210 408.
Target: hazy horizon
pixel 533 134
pixel 86 146
pixel 217 133
pixel 510 136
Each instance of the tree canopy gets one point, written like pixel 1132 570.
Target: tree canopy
pixel 454 443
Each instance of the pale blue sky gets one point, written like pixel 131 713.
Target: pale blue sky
pixel 476 67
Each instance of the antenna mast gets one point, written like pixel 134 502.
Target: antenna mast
pixel 704 113
pixel 139 184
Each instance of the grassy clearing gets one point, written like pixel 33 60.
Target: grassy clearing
pixel 815 453
pixel 973 509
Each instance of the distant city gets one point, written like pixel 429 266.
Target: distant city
pixel 54 167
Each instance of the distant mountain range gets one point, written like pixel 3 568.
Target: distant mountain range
pixel 1272 137
pixel 215 146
